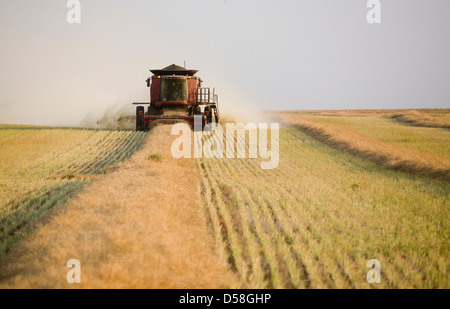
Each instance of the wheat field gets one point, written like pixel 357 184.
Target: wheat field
pixel 44 167
pixel 350 186
pixel 140 225
pixel 316 220
pixel 418 150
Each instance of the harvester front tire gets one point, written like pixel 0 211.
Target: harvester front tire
pixel 140 123
pixel 209 115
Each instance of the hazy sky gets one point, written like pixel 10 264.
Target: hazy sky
pixel 286 54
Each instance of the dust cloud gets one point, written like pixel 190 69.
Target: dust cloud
pixel 238 107
pixel 118 117
pixel 233 107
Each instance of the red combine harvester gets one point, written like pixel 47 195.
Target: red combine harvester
pixel 175 93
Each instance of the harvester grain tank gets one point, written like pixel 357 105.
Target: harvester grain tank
pixel 177 94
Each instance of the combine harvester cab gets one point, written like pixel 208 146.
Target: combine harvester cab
pixel 176 94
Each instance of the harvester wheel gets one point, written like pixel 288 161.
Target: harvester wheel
pixel 140 124
pixel 216 116
pixel 208 113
